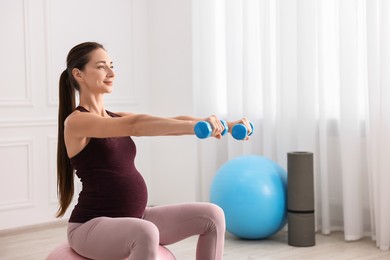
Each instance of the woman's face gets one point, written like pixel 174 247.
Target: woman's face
pixel 98 74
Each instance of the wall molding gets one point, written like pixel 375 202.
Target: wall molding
pixel 48 54
pixel 28 202
pixel 26 101
pixel 28 122
pixel 51 166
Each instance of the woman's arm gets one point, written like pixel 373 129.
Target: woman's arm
pixel 80 124
pixel 215 123
pixel 183 117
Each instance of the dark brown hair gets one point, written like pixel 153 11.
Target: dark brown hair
pixel 77 57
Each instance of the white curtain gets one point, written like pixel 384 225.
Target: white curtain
pixel 312 75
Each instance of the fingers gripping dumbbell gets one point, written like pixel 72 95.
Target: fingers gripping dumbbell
pixel 240 132
pixel 203 129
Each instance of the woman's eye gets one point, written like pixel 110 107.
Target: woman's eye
pixel 104 67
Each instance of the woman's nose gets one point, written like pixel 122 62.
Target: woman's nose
pixel 111 72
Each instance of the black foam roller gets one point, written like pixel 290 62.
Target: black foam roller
pixel 300 199
pixel 301 229
pixel 300 187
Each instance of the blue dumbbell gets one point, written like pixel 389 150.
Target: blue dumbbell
pixel 240 131
pixel 203 129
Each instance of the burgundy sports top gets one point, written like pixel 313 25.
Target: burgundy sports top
pixel 112 186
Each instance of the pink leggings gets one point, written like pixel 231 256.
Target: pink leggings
pixel 119 238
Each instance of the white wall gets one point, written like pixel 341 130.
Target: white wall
pixel 36 36
pixel 150 44
pixel 174 168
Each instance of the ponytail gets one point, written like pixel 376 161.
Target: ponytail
pixel 78 57
pixel 65 176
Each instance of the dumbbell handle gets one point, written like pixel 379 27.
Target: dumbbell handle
pixel 203 129
pixel 240 132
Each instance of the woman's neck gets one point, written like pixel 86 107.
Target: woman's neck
pixel 93 104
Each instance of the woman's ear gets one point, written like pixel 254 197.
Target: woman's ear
pixel 77 74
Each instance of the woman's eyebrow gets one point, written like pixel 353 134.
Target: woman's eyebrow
pixel 103 62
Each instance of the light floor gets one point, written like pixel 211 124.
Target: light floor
pixel 36 243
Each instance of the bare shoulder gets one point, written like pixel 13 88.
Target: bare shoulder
pixel 73 114
pixel 75 117
pixel 70 118
pixel 79 120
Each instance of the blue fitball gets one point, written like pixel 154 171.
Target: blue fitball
pixel 252 191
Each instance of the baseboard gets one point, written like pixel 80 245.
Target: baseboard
pixel 39 226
